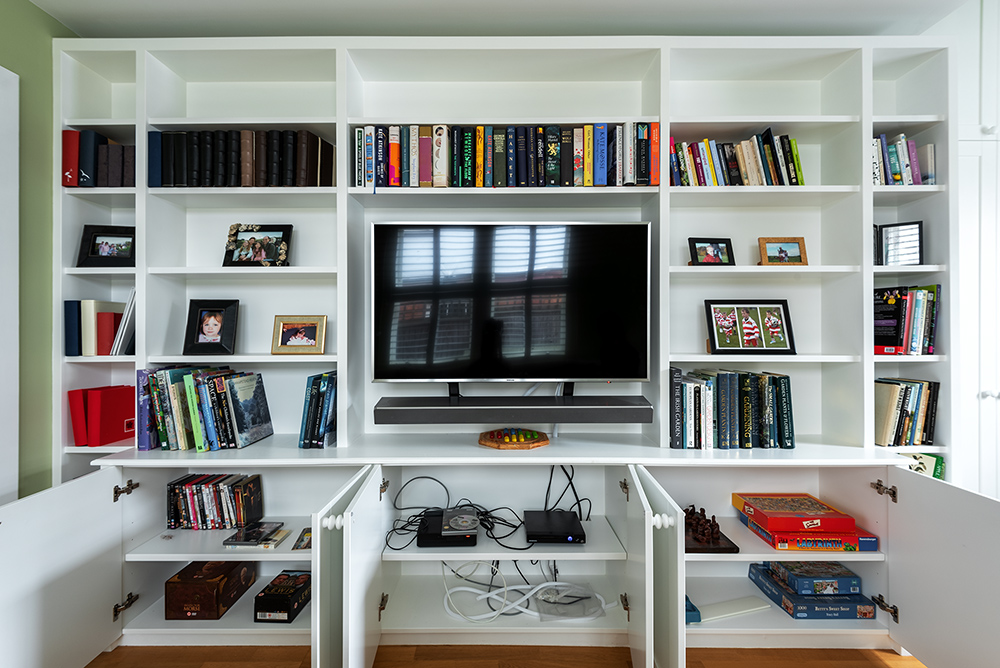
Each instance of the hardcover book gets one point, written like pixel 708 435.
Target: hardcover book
pixel 248 406
pixel 791 512
pixel 426 173
pixel 838 606
pixel 600 154
pixel 441 157
pixel 553 162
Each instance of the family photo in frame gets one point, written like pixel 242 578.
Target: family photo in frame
pixel 107 246
pixel 749 326
pixel 782 251
pixel 262 245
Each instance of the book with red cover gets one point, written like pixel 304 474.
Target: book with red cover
pixel 70 157
pixel 110 414
pixel 791 512
pixel 107 326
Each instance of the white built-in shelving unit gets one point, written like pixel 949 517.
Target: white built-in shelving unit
pixel 832 94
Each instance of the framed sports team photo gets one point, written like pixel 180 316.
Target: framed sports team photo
pixel 106 246
pixel 298 335
pixel 211 327
pixel 260 245
pixel 708 251
pixel 782 251
pixel 749 327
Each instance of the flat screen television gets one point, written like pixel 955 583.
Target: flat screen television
pixel 499 302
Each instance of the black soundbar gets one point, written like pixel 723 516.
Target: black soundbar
pixel 513 410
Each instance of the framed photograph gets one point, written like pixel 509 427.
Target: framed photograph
pixel 707 251
pixel 900 243
pixel 211 327
pixel 782 250
pixel 107 246
pixel 299 335
pixel 261 245
pixel 749 327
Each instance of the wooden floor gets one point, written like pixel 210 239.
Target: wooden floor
pixel 495 656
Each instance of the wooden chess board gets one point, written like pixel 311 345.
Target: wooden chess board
pixel 702 535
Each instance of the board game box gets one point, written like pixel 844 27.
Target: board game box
pixel 816 577
pixel 858 540
pixel 207 589
pixel 832 606
pixel 283 598
pixel 792 512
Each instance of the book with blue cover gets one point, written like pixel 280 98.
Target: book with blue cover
pixel 834 606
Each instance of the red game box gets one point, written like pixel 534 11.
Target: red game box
pixel 791 512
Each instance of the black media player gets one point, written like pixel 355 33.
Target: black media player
pixel 553 526
pixel 429 533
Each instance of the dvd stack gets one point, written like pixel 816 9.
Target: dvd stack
pixel 798 521
pixel 813 590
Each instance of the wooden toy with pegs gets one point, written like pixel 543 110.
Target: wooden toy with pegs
pixel 513 438
pixel 702 534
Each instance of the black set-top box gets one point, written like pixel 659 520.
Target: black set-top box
pixel 283 598
pixel 553 526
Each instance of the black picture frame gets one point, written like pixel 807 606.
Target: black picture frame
pixel 773 337
pixel 107 246
pixel 274 252
pixel 700 248
pixel 226 310
pixel 900 244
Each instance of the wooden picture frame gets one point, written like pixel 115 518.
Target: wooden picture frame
pixel 749 327
pixel 298 335
pixel 107 246
pixel 211 327
pixel 711 252
pixel 257 245
pixel 782 251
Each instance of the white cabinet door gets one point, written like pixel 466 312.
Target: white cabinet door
pixel 667 583
pixel 941 551
pixel 329 601
pixel 62 556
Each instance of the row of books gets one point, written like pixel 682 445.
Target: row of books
pixel 240 158
pixel 897 161
pixel 765 159
pixel 799 522
pixel 905 411
pixel 487 156
pixel 906 319
pixel 91 160
pixel 200 408
pixel 717 408
pixel 813 590
pixel 214 501
pixel 96 327
pixel 319 412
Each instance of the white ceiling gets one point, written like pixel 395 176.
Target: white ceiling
pixel 201 18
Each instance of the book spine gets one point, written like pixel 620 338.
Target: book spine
pixel 914 170
pixel 479 169
pixel 654 153
pixel 381 156
pixel 600 169
pixel 710 163
pixel 404 156
pixel 521 148
pixel 629 154
pixel 414 150
pixel 488 157
pixel 789 160
pixel 71 157
pixel 613 151
pixel 566 156
pixel 894 167
pixel 676 409
pixel 553 163
pixel 785 419
pixel 511 159
pixel 440 156
pixel 578 151
pixel 722 412
pixel 531 164
pixel 539 132
pixel 642 154
pixel 247 169
pixel 87 165
pixel 678 165
pixel 588 155
pixel 426 173
pixel 700 168
pixel 392 174
pixel 197 429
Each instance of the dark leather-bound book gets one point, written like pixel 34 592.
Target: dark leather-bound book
pixel 274 157
pixel 468 157
pixel 89 141
pixel 327 172
pixel 128 166
pixel 154 146
pixel 232 158
pixel 511 159
pixel 207 159
pixel 732 164
pixel 116 161
pixel 553 165
pixel 260 158
pixel 219 165
pixel 288 141
pixel 167 160
pixel 499 157
pixel 456 156
pixel 307 159
pixel 194 159
pixel 521 147
pixel 777 173
pixel 566 156
pixel 786 149
pixel 381 156
pixel 246 158
pixel 101 181
pixel 180 159
pixel 642 154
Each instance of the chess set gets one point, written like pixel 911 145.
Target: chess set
pixel 702 534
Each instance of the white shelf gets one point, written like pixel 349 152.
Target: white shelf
pixel 100 359
pixel 602 544
pixel 268 273
pixel 690 272
pixel 753 548
pixel 99 449
pixel 909 359
pixel 327 123
pixel 249 197
pixel 206 545
pixel 909 269
pixel 758 196
pixel 725 360
pixel 261 358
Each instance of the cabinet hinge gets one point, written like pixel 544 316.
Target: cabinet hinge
pixel 624 485
pixel 117 610
pixel 885 607
pixel 381 605
pixel 624 601
pixel 127 489
pixel 381 490
pixel 880 487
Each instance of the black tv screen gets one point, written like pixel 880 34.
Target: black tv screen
pixel 510 301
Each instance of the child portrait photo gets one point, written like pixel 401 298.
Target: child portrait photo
pixel 211 327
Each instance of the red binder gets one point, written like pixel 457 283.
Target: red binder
pixel 110 414
pixel 107 326
pixel 71 157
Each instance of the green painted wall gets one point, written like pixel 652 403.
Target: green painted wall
pixel 26 34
